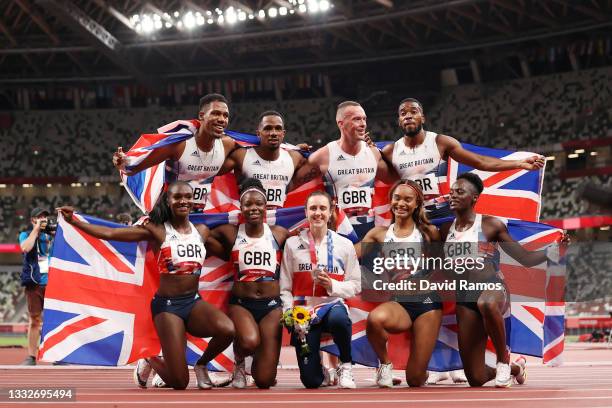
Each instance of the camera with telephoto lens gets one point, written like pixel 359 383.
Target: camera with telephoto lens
pixel 49 226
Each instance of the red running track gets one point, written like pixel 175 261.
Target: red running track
pixel 584 381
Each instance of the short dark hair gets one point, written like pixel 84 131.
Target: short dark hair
pixel 405 100
pixel 473 179
pixel 213 97
pixel 271 113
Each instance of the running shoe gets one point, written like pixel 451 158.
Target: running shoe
pixel 346 376
pixel 157 382
pixel 202 378
pixel 29 361
pixel 503 379
pixel 239 379
pixel 142 372
pixel 458 376
pixel 435 377
pixel 384 376
pixel 521 377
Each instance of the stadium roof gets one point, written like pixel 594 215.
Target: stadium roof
pixel 80 40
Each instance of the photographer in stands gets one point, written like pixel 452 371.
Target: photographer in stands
pixel 35 245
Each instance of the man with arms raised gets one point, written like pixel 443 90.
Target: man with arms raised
pixel 197 159
pixel 420 153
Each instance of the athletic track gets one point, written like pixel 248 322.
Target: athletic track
pixel 584 381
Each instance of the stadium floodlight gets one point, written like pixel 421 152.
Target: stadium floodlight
pixel 282 11
pixel 272 12
pixel 158 24
pixel 147 24
pixel 313 6
pixel 176 14
pixel 230 15
pixel 200 20
pixel 168 24
pixel 302 8
pixel 579 151
pixel 242 15
pixel 221 19
pixel 593 153
pixel 261 14
pixel 189 20
pixel 208 13
pixel 324 5
pixel 210 21
pixel 572 156
pixel 251 16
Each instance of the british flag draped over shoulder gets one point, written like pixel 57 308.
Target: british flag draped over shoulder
pixel 97 305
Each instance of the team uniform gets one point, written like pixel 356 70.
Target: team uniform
pixel 275 175
pixel 256 260
pixel 329 313
pixel 198 168
pixel 416 304
pixel 180 254
pixel 424 165
pixel 472 243
pixel 350 180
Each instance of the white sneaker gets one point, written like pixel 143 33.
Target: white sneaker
pixel 157 382
pixel 202 377
pixel 521 377
pixel 435 377
pixel 458 376
pixel 384 376
pixel 503 379
pixel 346 376
pixel 239 379
pixel 142 372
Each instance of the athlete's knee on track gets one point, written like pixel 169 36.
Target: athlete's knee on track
pixel 476 380
pixel 416 379
pixel 265 381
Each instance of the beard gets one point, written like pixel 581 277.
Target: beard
pixel 413 133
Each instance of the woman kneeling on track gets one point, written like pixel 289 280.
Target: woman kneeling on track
pixel 255 305
pixel 321 266
pixel 420 312
pixel 176 307
pixel 480 313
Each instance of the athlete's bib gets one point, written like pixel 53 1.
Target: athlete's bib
pixel 428 183
pixel 201 189
pixel 355 197
pixel 257 262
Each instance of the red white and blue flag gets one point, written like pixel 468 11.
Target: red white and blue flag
pixel 511 193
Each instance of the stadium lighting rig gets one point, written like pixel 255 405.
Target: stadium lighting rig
pixel 148 23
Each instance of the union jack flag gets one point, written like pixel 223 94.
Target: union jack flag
pixel 97 299
pixel 509 194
